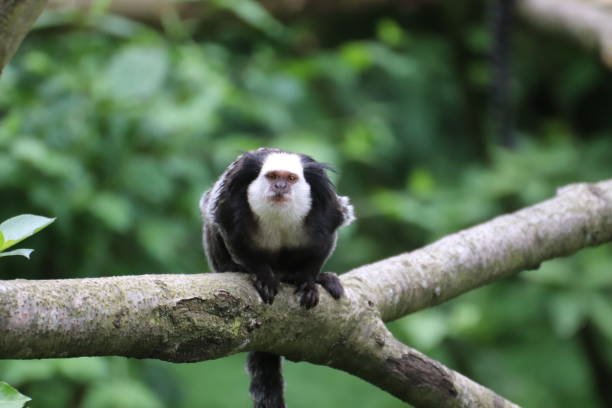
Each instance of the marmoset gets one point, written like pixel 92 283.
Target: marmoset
pixel 274 214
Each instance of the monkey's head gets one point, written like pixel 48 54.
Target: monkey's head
pixel 280 186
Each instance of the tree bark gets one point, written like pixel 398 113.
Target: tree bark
pixel 16 18
pixel 185 318
pixel 373 354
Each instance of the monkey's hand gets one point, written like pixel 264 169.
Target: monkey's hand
pixel 309 294
pixel 266 285
pixel 331 283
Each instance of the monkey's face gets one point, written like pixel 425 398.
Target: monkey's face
pixel 280 187
pixel 280 184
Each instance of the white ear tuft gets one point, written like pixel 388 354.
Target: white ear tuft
pixel 348 212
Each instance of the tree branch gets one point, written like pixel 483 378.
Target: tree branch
pixel 16 18
pixel 588 21
pixel 184 318
pixel 373 354
pixel 579 216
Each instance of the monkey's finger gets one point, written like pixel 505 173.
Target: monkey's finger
pixel 267 291
pixel 300 288
pixel 309 296
pixel 331 283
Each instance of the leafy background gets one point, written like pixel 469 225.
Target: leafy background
pixel 116 127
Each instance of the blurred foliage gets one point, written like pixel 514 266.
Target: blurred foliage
pixel 116 128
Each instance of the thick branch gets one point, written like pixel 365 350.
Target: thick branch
pixel 184 318
pixel 373 354
pixel 200 317
pixel 16 18
pixel 579 216
pixel 588 21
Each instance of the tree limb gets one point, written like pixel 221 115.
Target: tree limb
pixel 184 318
pixel 373 354
pixel 588 21
pixel 16 18
pixel 579 216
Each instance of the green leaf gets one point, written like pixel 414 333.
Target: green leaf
pixel 601 309
pixel 23 252
pixel 10 397
pixel 421 182
pixel 135 72
pixel 389 32
pixel 22 371
pixel 426 329
pixel 567 312
pixel 18 228
pixel 124 393
pixel 254 14
pixel 84 369
pixel 113 210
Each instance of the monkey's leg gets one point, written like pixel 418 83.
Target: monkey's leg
pixel 331 283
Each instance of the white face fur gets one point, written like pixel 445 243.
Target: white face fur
pixel 280 222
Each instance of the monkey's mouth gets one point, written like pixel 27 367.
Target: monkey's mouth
pixel 279 197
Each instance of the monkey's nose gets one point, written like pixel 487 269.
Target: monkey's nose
pixel 280 186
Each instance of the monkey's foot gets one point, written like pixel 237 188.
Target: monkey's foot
pixel 267 287
pixel 309 294
pixel 331 283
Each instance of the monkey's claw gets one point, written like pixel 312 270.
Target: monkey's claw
pixel 331 283
pixel 267 288
pixel 309 294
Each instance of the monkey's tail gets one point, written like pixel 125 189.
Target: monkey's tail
pixel 266 380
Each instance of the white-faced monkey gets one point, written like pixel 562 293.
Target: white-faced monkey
pixel 274 214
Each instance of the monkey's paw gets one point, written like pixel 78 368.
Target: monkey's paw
pixel 267 287
pixel 309 294
pixel 331 283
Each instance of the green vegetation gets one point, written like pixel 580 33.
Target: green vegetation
pixel 10 397
pixel 116 128
pixel 16 229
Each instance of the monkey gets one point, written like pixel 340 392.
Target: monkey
pixel 274 215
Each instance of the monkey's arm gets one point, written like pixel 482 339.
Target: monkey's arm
pixel 227 245
pixel 255 262
pixel 322 223
pixel 308 273
pixel 219 258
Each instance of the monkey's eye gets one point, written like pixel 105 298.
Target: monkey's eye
pixel 271 176
pixel 292 178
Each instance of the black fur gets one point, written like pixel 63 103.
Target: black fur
pixel 266 380
pixel 229 243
